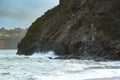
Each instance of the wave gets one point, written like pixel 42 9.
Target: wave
pixel 49 54
pixel 5 54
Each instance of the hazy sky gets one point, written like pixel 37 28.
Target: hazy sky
pixel 21 13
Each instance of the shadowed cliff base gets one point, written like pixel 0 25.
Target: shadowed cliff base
pixel 88 29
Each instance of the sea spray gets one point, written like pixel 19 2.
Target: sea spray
pixel 49 54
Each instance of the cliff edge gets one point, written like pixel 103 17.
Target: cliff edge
pixel 88 29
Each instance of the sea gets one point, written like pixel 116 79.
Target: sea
pixel 40 67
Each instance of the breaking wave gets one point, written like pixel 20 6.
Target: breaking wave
pixel 49 54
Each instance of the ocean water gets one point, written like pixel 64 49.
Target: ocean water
pixel 39 67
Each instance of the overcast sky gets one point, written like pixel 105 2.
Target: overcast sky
pixel 21 13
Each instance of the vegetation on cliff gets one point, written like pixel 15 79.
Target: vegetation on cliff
pixel 88 29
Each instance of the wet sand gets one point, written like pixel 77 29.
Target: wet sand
pixel 118 78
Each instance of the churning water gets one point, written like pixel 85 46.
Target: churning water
pixel 39 67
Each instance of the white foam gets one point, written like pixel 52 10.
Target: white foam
pixel 49 54
pixel 14 67
pixel 34 78
pixel 82 76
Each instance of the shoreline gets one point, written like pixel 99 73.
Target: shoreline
pixel 114 78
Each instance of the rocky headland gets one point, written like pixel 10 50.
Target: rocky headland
pixel 85 29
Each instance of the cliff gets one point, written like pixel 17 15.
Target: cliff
pixel 88 29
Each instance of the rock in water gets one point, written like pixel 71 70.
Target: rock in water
pixel 86 28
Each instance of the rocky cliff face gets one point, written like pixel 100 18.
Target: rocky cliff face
pixel 89 29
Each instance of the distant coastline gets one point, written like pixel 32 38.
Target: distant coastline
pixel 10 38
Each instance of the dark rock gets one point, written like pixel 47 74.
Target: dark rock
pixel 68 57
pixel 88 29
